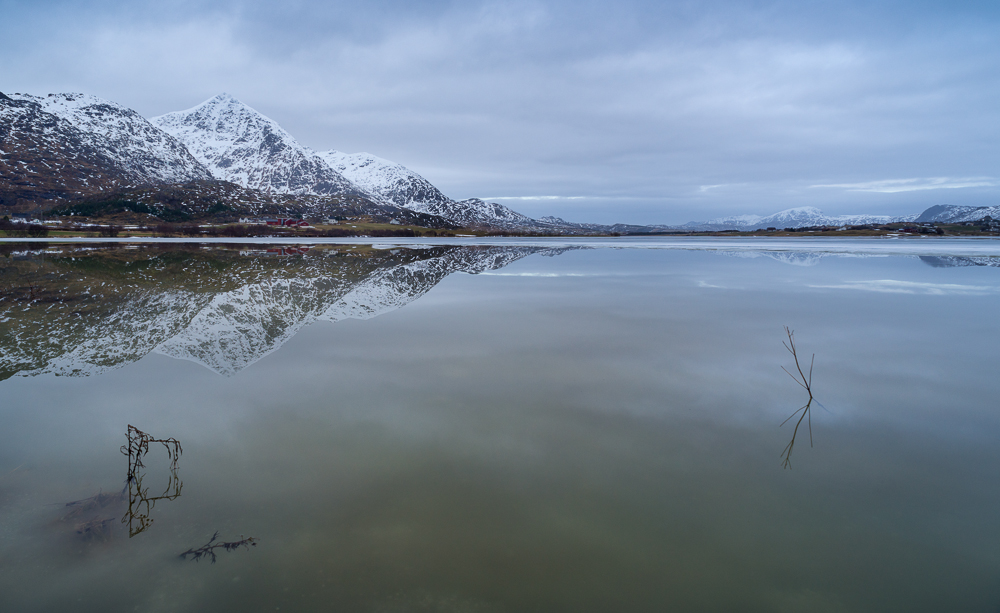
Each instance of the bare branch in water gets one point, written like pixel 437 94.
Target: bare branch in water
pixel 806 383
pixel 138 446
pixel 140 504
pixel 208 549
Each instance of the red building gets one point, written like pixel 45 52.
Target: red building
pixel 287 222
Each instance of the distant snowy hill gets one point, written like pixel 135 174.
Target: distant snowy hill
pixel 799 217
pixel 952 214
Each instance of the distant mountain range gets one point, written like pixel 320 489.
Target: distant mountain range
pixel 225 160
pixel 803 217
pixel 800 217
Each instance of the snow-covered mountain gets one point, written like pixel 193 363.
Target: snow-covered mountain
pixel 145 152
pixel 799 217
pixel 65 147
pixel 241 145
pixel 384 179
pixel 74 145
pixel 403 187
pixel 948 213
pixel 238 144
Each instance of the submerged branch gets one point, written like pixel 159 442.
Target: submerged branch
pixel 208 549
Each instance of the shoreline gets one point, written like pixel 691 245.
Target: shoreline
pixel 903 245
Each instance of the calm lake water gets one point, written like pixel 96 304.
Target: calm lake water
pixel 523 426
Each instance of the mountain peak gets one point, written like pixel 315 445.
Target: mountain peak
pixel 239 144
pixel 801 210
pixel 223 100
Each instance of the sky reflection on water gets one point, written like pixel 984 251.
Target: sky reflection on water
pixel 596 430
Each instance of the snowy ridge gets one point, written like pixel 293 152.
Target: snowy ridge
pixel 238 144
pixel 384 179
pixel 476 212
pixel 403 187
pixel 72 146
pixel 956 214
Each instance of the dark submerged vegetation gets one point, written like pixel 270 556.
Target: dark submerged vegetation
pixel 208 549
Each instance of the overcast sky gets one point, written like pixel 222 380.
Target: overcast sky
pixel 643 112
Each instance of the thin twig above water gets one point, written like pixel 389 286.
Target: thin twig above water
pixel 804 412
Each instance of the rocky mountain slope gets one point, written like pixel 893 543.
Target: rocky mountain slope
pixel 150 154
pixel 70 145
pixel 475 212
pixel 403 187
pixel 384 179
pixel 74 154
pixel 222 201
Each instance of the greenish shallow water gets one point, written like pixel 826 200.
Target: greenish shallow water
pixel 519 428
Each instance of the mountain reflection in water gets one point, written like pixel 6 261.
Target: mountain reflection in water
pixel 81 311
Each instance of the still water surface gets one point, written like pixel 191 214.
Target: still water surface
pixel 518 427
